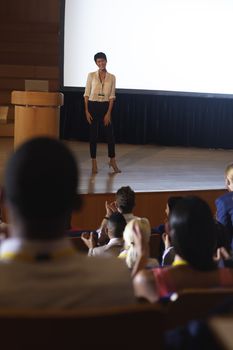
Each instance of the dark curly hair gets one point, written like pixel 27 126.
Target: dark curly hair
pixel 125 199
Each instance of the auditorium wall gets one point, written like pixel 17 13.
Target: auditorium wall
pixel 29 46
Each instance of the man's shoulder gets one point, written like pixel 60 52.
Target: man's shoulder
pixel 100 263
pixel 226 197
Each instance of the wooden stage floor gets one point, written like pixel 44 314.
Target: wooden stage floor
pixel 146 168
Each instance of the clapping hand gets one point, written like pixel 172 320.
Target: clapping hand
pixel 89 240
pixel 110 208
pixel 166 240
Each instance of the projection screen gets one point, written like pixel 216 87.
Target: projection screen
pixel 151 45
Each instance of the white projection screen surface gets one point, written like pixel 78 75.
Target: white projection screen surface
pixel 159 45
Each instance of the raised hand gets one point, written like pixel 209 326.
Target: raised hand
pixel 89 240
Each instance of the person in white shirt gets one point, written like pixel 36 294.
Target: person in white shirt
pixel 114 230
pixel 99 97
pixel 39 267
pixel 124 204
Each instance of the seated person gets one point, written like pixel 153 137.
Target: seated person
pixel 130 251
pixel 39 268
pixel 167 252
pixel 224 204
pixel 115 227
pixel 171 202
pixel 193 235
pixel 222 244
pixel 124 204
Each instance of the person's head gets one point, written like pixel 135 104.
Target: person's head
pixel 171 202
pixel 125 199
pixel 128 236
pixel 116 225
pixel 41 180
pixel 193 232
pixel 100 60
pixel 229 176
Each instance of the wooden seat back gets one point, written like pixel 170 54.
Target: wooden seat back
pixel 132 326
pixel 154 244
pixel 194 304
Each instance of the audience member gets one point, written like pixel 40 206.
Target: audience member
pixel 130 251
pixel 171 202
pixel 222 242
pixel 168 254
pixel 115 227
pixel 193 235
pixel 124 204
pixel 224 204
pixel 38 266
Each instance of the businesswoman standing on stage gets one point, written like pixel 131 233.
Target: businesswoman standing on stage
pixel 99 98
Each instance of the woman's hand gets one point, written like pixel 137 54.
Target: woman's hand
pixel 89 240
pixel 107 119
pixel 166 240
pixel 89 117
pixel 110 208
pixel 141 245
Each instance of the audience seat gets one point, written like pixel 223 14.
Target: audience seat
pixel 132 326
pixel 155 241
pixel 194 304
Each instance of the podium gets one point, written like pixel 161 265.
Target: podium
pixel 36 114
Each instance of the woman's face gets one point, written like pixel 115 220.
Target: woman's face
pixel 101 63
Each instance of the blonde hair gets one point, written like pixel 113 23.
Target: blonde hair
pixel 128 235
pixel 229 172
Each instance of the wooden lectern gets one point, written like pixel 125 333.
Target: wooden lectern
pixel 36 114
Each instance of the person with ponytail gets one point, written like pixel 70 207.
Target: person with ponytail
pixel 130 252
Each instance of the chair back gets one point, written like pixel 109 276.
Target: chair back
pixel 132 326
pixel 194 304
pixel 154 244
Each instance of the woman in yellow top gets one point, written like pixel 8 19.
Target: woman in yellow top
pixel 99 98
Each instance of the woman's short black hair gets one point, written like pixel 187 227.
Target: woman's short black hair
pixel 193 232
pixel 100 55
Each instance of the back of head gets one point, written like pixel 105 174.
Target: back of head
pixel 125 199
pixel 128 235
pixel 116 223
pixel 172 201
pixel 40 183
pixel 193 232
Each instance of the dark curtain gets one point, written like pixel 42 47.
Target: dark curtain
pixel 157 119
